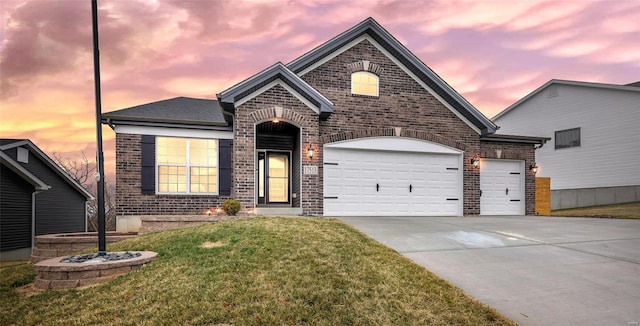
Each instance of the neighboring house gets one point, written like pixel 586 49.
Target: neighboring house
pixel 357 126
pixel 594 157
pixel 34 188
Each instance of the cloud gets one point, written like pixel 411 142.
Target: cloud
pixel 492 52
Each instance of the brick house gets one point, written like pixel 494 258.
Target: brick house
pixel 356 126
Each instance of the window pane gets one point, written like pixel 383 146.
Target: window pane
pixel 204 179
pixel 171 179
pixel 171 150
pixel 365 83
pixel 203 152
pixel 567 138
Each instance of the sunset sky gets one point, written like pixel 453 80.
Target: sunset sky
pixel 492 52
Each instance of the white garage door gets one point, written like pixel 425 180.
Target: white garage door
pixel 374 177
pixel 502 186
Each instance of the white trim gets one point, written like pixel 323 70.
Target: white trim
pixel 285 86
pixel 173 132
pixel 395 61
pixel 392 143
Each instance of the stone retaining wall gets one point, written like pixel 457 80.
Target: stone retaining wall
pixel 157 223
pixel 54 275
pixel 65 244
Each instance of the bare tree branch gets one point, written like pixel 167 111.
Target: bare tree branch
pixel 82 170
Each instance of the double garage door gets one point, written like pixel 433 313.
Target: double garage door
pixel 392 177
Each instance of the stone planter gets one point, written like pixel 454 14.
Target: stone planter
pixel 65 244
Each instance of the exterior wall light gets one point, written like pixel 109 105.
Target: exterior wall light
pixel 534 168
pixel 209 212
pixel 310 152
pixel 475 161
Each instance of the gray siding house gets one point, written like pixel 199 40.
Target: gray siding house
pixel 36 197
pixel 594 155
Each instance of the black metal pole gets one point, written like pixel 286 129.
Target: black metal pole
pixel 102 232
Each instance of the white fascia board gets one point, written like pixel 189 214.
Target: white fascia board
pixel 285 86
pixel 173 132
pixel 398 63
pixel 398 144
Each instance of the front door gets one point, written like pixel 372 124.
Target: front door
pixel 273 178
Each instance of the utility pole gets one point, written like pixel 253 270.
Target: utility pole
pixel 102 232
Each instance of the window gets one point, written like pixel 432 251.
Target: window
pixel 364 83
pixel 568 138
pixel 187 165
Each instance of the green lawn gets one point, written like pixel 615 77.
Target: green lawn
pixel 628 210
pixel 263 271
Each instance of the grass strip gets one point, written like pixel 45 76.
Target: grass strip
pixel 263 271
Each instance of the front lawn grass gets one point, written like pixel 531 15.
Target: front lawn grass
pixel 628 210
pixel 263 271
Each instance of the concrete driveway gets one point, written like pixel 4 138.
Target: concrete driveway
pixel 534 270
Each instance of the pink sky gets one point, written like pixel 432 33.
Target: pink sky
pixel 492 52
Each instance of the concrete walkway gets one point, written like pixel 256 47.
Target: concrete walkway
pixel 534 270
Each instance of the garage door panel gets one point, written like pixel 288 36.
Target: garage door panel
pixel 502 185
pixel 395 173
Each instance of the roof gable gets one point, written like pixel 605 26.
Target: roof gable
pixel 629 87
pixel 277 73
pixel 178 110
pixel 49 162
pixel 401 55
pixel 14 166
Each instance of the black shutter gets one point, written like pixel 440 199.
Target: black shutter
pixel 224 166
pixel 148 158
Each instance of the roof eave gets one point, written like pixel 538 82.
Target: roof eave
pixel 172 124
pixel 515 139
pixel 230 96
pixel 44 157
pixel 38 184
pixel 109 117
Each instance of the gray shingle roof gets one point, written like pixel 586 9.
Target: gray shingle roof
pixel 181 110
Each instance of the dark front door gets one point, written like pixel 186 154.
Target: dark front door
pixel 273 178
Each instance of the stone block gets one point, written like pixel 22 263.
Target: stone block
pixel 63 284
pixel 115 271
pixel 42 284
pixel 83 274
pixel 54 275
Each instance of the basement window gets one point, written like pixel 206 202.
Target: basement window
pixel 567 138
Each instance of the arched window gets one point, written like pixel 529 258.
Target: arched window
pixel 364 83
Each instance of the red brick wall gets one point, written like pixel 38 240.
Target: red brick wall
pixel 402 102
pixel 130 200
pixel 257 110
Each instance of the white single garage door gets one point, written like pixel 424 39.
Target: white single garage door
pixel 380 177
pixel 502 187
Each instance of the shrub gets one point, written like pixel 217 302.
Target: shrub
pixel 231 206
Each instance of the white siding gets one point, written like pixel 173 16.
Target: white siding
pixel 609 154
